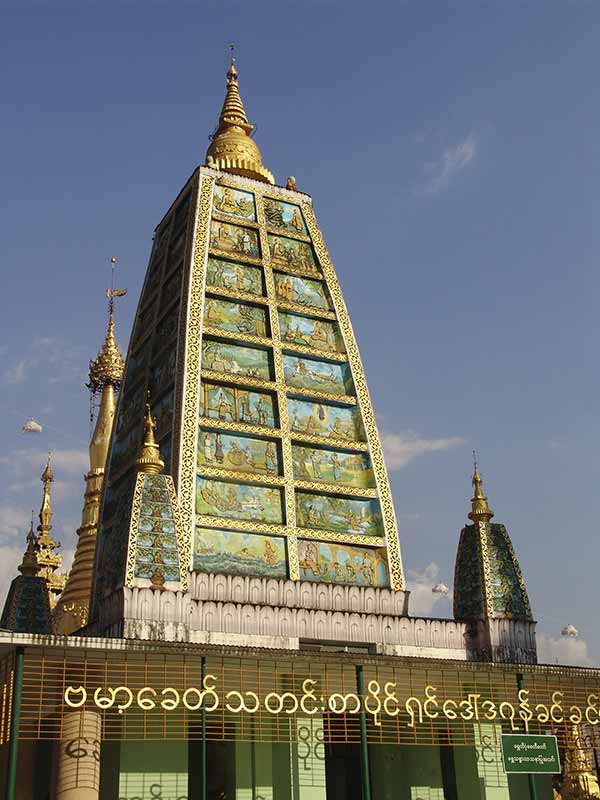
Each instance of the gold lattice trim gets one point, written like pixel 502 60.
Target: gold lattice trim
pixel 239 476
pixel 296 308
pixel 239 427
pixel 237 336
pixel 234 294
pixel 336 488
pixel 133 529
pixel 482 530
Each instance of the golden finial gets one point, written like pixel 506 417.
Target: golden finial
pixel 232 149
pixel 480 510
pixel 108 366
pixel 45 514
pixel 149 459
pixel 29 566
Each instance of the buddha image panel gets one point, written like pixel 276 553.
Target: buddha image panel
pixel 234 202
pixel 344 514
pixel 308 373
pixel 232 404
pixel 238 501
pixel 317 333
pixel 241 453
pixel 333 466
pixel 236 359
pixel 303 291
pixel 235 277
pixel 233 239
pixel 291 253
pixel 286 216
pixel 330 562
pixel 236 317
pixel 324 419
pixel 236 553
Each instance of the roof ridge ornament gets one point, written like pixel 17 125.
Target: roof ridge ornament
pixel 149 460
pixel 480 510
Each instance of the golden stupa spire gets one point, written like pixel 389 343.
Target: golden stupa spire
pixel 29 566
pixel 149 459
pixel 480 510
pixel 45 514
pixel 108 366
pixel 48 560
pixel 232 149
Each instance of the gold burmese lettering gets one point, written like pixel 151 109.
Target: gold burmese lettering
pixel 376 702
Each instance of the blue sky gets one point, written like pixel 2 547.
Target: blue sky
pixel 453 154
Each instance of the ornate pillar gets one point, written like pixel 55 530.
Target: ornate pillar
pixel 79 757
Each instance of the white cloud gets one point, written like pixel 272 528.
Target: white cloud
pixel 453 160
pixel 563 650
pixel 49 356
pixel 422 600
pixel 400 448
pixel 24 461
pixel 17 373
pixel 14 522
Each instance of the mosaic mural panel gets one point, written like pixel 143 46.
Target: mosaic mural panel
pixel 162 373
pixel 162 411
pixel 235 553
pixel 242 453
pixel 232 404
pixel 236 317
pixel 286 216
pixel 230 275
pixel 330 562
pixel 233 239
pixel 507 596
pixel 358 517
pixel 317 333
pixel 303 291
pixel 238 501
pixel 156 547
pixel 291 253
pixel 323 419
pixel 308 373
pixel 236 359
pixel 468 603
pixel 333 466
pixel 125 448
pixel 234 202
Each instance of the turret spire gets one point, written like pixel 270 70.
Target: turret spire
pixel 232 149
pixel 108 366
pixel 48 560
pixel 480 510
pixel 29 566
pixel 149 459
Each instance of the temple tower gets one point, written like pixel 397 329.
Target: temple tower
pixel 48 559
pixel 489 590
pixel 105 375
pixel 262 412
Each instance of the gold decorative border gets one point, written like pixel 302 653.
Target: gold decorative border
pixel 234 294
pixel 336 488
pixel 237 336
pixel 240 477
pixel 179 533
pixel 243 259
pixel 243 380
pixel 239 427
pixel 482 530
pixel 193 337
pixel 364 401
pixel 219 216
pixel 346 538
pixel 133 529
pixel 296 308
pixel 345 444
pixel 206 521
pixel 330 355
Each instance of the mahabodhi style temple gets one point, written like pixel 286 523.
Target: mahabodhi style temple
pixel 235 625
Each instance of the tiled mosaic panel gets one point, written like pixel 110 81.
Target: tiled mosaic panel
pixel 233 404
pixel 236 553
pixel 234 239
pixel 324 419
pixel 239 453
pixel 507 595
pixel 331 562
pixel 317 333
pixel 302 291
pixel 290 253
pixel 234 202
pixel 156 549
pixel 238 501
pixel 468 598
pixel 332 466
pixel 236 317
pixel 286 216
pixel 236 359
pixel 323 376
pixel 232 276
pixel 343 514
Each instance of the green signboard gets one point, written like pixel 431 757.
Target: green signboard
pixel 522 752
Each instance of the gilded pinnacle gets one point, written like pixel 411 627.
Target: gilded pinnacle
pixel 149 459
pixel 480 510
pixel 108 366
pixel 29 566
pixel 232 149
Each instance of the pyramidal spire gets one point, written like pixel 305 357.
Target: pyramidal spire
pixel 232 149
pixel 29 565
pixel 480 510
pixel 149 459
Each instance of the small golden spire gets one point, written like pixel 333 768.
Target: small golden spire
pixel 48 560
pixel 45 514
pixel 29 566
pixel 232 149
pixel 480 510
pixel 108 366
pixel 149 459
